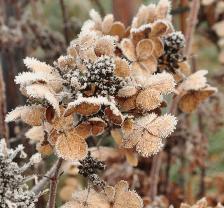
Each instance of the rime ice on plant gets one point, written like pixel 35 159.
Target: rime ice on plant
pixel 89 168
pixel 111 77
pixel 13 190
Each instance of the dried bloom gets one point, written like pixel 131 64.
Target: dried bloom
pixel 86 198
pixel 71 146
pixel 111 197
pixel 13 191
pixel 147 133
pixel 194 91
pixel 117 195
pixel 32 115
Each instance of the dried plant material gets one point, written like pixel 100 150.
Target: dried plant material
pixel 107 23
pixel 148 99
pixel 35 134
pixel 127 91
pixel 190 101
pixel 121 192
pixel 71 51
pixel 71 146
pixel 94 126
pixel 32 115
pixel 202 203
pixel 218 27
pixel 84 107
pixel 195 90
pixel 44 148
pixel 66 193
pixel 127 104
pixel 70 186
pixel 131 157
pixel 161 82
pixel 195 81
pixel 147 133
pixel 114 116
pixel 104 153
pixel 117 29
pixel 105 46
pixel 159 28
pixel 144 49
pixel 141 65
pixel 43 92
pixel 37 66
pixel 122 68
pixel 90 199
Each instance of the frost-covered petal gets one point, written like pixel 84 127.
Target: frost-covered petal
pixel 163 125
pixel 71 146
pixel 149 145
pixel 148 99
pixel 31 115
pixel 43 92
pixel 37 66
pixel 162 82
pixel 128 49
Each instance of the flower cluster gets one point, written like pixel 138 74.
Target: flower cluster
pixel 13 190
pixel 111 197
pixel 111 77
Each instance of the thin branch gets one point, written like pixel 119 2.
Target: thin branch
pixel 157 159
pixel 53 184
pixel 39 187
pixel 65 21
pixel 192 21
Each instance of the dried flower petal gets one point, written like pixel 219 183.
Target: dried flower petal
pixel 71 146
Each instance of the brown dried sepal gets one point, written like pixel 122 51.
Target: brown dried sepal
pixel 117 29
pixel 44 148
pixel 85 109
pixel 148 100
pixel 71 146
pixel 127 104
pixel 116 119
pixel 192 99
pixel 122 68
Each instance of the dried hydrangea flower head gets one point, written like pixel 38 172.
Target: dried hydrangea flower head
pixel 110 78
pixel 120 196
pixel 112 197
pixel 13 190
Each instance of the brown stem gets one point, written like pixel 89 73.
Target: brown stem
pixel 183 16
pixel 4 131
pixel 53 185
pixel 203 152
pixel 157 159
pixel 154 175
pixel 192 21
pixel 65 21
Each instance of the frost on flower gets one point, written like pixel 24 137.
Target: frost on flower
pixel 194 91
pixel 109 75
pixel 118 196
pixel 146 133
pixel 13 190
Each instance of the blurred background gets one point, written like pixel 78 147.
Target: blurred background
pixel 44 28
